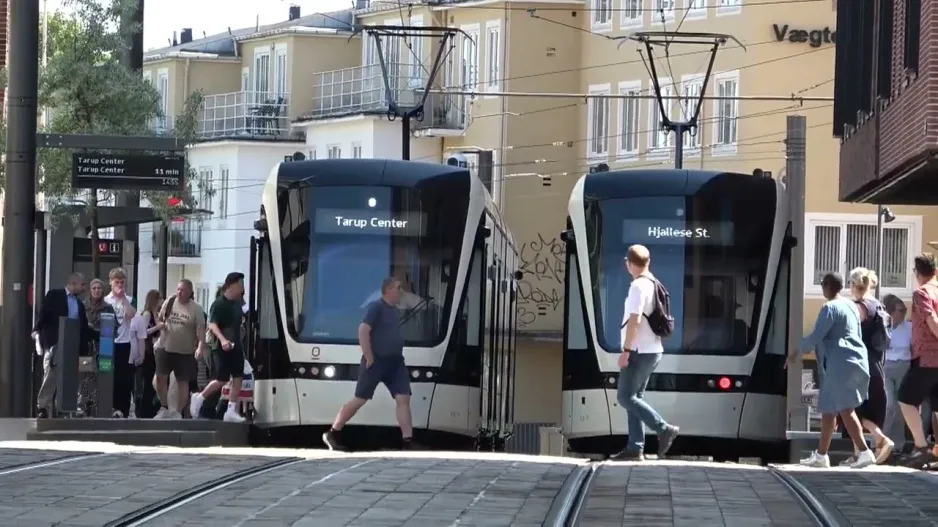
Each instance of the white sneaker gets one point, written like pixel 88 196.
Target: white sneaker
pixel 172 415
pixel 162 414
pixel 195 405
pixel 816 460
pixel 864 459
pixel 232 416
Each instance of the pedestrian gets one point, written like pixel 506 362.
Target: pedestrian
pixel 57 303
pixel 647 318
pixel 898 358
pixel 382 343
pixel 94 307
pixel 875 328
pixel 182 340
pixel 224 335
pixel 145 329
pixel 840 353
pixel 921 381
pixel 124 371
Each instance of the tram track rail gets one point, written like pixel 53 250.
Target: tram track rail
pixel 164 506
pixel 23 467
pixel 570 501
pixel 819 512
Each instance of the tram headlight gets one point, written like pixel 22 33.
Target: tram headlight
pixel 415 374
pixel 724 383
pixel 314 371
pixel 329 372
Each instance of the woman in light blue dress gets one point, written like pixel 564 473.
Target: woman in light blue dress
pixel 842 359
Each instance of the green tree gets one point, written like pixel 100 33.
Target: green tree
pixel 88 91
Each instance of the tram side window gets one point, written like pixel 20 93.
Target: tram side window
pixel 576 328
pixel 472 303
pixel 266 307
pixel 777 333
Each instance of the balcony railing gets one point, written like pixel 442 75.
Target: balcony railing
pixel 245 114
pixel 185 239
pixel 361 89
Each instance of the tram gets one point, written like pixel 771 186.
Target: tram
pixel 721 243
pixel 329 232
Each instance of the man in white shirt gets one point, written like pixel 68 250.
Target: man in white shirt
pixel 124 371
pixel 641 353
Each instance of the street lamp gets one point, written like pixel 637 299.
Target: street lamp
pixel 883 215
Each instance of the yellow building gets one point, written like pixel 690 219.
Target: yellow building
pixel 309 85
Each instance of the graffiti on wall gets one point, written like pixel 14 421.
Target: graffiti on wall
pixel 540 292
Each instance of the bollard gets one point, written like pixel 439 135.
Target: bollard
pixel 65 359
pixel 105 403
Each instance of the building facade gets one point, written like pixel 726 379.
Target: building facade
pixel 885 106
pixel 331 91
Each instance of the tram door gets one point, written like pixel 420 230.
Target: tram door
pixel 498 345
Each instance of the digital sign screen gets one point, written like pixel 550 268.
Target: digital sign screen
pixel 369 221
pixel 676 232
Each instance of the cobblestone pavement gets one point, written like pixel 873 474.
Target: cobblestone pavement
pixel 671 493
pixel 426 489
pixel 883 496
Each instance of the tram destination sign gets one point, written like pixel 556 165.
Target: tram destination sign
pixel 128 172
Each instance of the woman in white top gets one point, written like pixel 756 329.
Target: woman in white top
pixel 898 358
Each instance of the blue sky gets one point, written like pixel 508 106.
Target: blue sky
pixel 162 17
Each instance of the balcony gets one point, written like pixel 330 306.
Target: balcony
pixel 185 239
pixel 245 115
pixel 361 90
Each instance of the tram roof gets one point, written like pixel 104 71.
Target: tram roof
pixel 638 182
pixel 364 172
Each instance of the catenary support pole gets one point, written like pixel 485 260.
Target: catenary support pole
pixel 679 130
pixel 164 258
pixel 39 290
pixel 19 207
pixel 133 60
pixel 795 172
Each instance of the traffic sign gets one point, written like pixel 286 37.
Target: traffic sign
pixel 128 172
pixel 105 365
pixel 109 251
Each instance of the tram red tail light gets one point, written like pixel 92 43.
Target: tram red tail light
pixel 724 383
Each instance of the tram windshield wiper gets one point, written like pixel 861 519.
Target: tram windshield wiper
pixel 412 312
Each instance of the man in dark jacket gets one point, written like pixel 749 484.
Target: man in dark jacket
pixel 65 302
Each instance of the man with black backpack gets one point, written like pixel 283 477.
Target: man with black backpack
pixel 647 319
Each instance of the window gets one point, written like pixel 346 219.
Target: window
pixel 632 13
pixel 469 65
pixel 629 119
pixel 162 87
pixel 335 152
pixel 280 71
pixel 690 98
pixel 493 55
pixel 204 188
pixel 598 122
pixel 312 153
pixel 416 54
pixel 726 114
pixel 659 137
pixel 729 7
pixel 842 242
pixel 663 9
pixel 222 193
pixel 356 150
pixel 696 9
pixel 602 15
pixel 245 80
pixel 261 74
pixel 913 34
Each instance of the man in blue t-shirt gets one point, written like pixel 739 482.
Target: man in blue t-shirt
pixel 382 344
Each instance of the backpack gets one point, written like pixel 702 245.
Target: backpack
pixel 660 320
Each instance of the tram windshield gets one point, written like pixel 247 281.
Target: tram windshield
pixel 710 250
pixel 340 242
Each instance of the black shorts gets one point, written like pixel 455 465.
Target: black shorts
pixel 227 365
pixel 918 385
pixel 181 364
pixel 391 372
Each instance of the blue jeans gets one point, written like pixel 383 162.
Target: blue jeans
pixel 631 395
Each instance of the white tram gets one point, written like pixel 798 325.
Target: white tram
pixel 330 231
pixel 720 242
